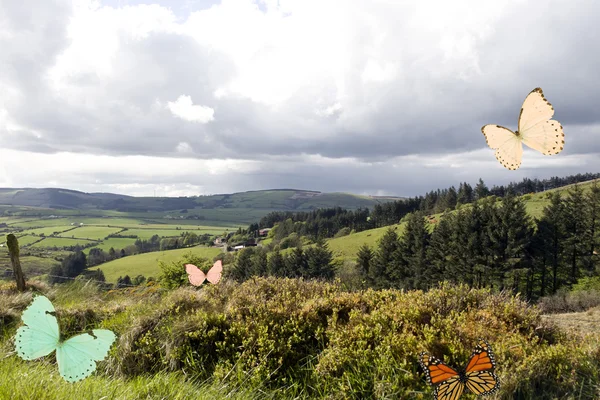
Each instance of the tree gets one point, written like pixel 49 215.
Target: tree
pixel 295 263
pixel 73 264
pixel 551 232
pixel 364 259
pixel 575 229
pixel 441 250
pixel 465 193
pixel 123 281
pixel 276 265
pixel 259 263
pixel 510 232
pixel 319 261
pixel 412 250
pixel 386 260
pixel 481 190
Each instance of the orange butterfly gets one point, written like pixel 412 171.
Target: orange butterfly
pixel 197 277
pixel 478 376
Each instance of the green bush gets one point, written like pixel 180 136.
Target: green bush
pixel 321 341
pixel 173 275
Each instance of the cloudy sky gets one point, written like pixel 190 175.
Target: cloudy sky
pixel 187 97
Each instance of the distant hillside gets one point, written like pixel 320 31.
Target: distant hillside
pixel 278 199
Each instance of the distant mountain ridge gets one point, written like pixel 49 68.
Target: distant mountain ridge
pixel 274 199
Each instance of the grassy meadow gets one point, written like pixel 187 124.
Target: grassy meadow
pixel 147 263
pixel 293 339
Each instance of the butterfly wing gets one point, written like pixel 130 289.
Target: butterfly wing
pixel 40 335
pixel 450 389
pixel 480 375
pixel 214 274
pixel 195 274
pixel 509 149
pixel 76 357
pixel 536 128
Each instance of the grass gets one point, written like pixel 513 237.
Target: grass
pixel 148 233
pixel 115 243
pixel 22 380
pixel 59 242
pixel 39 223
pixel 578 323
pixel 147 263
pixel 27 239
pixel 347 246
pixel 47 231
pixel 90 232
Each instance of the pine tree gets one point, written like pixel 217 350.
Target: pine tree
pixel 440 252
pixel 481 190
pixel 509 233
pixel 364 259
pixel 414 267
pixel 259 263
pixel 592 236
pixel 386 261
pixel 575 228
pixel 276 265
pixel 295 264
pixel 319 261
pixel 551 229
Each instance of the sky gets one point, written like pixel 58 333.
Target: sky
pixel 380 97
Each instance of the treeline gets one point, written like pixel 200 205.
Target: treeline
pixel 328 222
pixel 493 243
pixel 311 262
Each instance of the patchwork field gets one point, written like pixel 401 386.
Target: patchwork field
pixel 39 237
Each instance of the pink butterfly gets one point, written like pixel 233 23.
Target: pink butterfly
pixel 197 277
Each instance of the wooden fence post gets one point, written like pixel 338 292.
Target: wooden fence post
pixel 13 249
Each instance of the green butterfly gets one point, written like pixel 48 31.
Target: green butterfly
pixel 76 357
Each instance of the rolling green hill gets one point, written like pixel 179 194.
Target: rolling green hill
pixel 278 199
pixel 346 247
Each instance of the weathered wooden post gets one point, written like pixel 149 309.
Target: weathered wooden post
pixel 13 250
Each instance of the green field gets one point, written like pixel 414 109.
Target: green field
pixel 147 263
pixel 27 239
pixel 60 242
pixel 90 232
pixel 115 243
pixel 48 230
pixel 39 223
pixel 347 246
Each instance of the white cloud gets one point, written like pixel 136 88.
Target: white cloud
pixel 186 110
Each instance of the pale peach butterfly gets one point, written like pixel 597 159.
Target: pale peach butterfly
pixel 197 277
pixel 535 129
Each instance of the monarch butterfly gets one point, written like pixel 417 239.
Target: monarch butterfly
pixel 197 277
pixel 478 376
pixel 535 129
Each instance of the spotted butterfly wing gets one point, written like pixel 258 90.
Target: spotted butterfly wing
pixel 195 274
pixel 77 356
pixel 509 149
pixel 214 274
pixel 40 336
pixel 535 129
